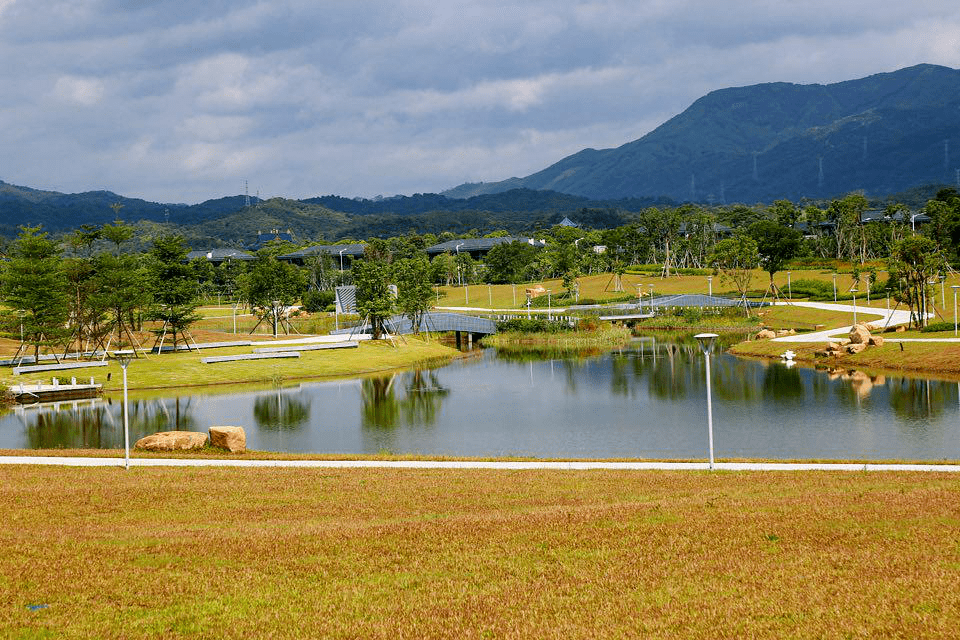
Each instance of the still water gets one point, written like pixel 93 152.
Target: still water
pixel 647 400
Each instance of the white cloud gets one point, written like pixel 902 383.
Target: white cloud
pixel 82 91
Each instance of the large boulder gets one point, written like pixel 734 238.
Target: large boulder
pixel 876 341
pixel 233 439
pixel 856 347
pixel 766 334
pixel 859 334
pixel 172 441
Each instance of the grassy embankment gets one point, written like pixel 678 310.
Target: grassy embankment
pixel 184 369
pixel 397 553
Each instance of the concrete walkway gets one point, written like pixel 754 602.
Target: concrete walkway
pixel 887 318
pixel 467 464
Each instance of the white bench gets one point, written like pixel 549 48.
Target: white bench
pixel 250 356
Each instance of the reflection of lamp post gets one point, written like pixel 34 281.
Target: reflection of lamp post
pixel 834 287
pixel 124 358
pixel 706 341
pixel 854 292
pixel 955 287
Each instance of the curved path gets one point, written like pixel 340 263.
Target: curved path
pixel 887 318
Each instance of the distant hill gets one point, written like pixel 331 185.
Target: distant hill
pixel 882 134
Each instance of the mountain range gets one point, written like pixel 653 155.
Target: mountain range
pixel 882 134
pixel 890 133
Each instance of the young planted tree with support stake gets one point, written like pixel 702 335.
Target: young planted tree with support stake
pixel 36 291
pixel 174 290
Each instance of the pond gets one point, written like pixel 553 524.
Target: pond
pixel 644 401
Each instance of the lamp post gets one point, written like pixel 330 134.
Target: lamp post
pixel 640 297
pixel 341 260
pixel 459 273
pixel 710 286
pixel 789 289
pixel 124 358
pixel 943 292
pixel 955 287
pixel 651 297
pixel 528 305
pixel 549 311
pixel 854 292
pixel 834 287
pixel 276 303
pixel 21 313
pixel 707 341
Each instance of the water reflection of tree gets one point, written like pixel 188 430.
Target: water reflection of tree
pixel 100 426
pixel 913 399
pixel 781 382
pixel 280 412
pixel 419 404
pixel 81 428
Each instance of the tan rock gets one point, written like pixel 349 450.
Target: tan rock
pixel 824 353
pixel 233 439
pixel 876 341
pixel 859 334
pixel 782 332
pixel 766 334
pixel 900 328
pixel 833 346
pixel 172 441
pixel 856 347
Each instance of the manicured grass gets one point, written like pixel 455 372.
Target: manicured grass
pixel 793 317
pixel 175 370
pixel 245 553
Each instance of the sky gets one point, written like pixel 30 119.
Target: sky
pixel 182 101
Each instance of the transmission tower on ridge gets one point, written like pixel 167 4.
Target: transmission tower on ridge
pixel 246 194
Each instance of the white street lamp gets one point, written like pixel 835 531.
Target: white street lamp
pixel 124 358
pixel 789 289
pixel 854 292
pixel 651 297
pixel 707 341
pixel 549 311
pixel 459 273
pixel 640 297
pixel 834 287
pixel 710 285
pixel 955 287
pixel 341 260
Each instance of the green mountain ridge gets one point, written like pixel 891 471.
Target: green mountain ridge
pixel 881 134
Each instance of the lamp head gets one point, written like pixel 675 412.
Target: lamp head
pixel 706 340
pixel 123 357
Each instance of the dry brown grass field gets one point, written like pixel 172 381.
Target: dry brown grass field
pixel 246 553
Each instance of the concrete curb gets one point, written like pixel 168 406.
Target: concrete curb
pixel 452 464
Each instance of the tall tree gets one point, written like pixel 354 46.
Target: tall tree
pixel 412 277
pixel 272 286
pixel 174 288
pixel 375 301
pixel 736 258
pixel 36 291
pixel 775 244
pixel 916 260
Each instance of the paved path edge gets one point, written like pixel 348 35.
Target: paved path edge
pixel 65 461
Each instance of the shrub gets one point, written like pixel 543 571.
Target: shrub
pixel 313 301
pixel 937 326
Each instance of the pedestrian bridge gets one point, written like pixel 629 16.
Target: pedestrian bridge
pixel 435 321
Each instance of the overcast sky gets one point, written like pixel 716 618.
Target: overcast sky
pixel 180 100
